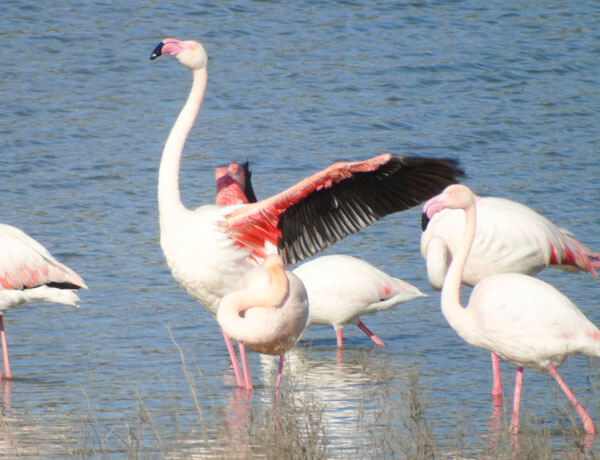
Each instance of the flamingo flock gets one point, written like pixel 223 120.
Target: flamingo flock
pixel 358 289
pixel 234 257
pixel 509 238
pixel 517 317
pixel 209 249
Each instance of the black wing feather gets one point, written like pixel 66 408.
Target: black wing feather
pixel 330 214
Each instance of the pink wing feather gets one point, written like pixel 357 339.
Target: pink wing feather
pixel 338 201
pixel 25 263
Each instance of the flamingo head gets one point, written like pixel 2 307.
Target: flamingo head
pixel 190 53
pixel 456 196
pixel 234 184
pixel 232 173
pixel 230 185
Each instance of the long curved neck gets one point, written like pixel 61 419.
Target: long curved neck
pixel 436 261
pixel 273 297
pixel 169 199
pixel 235 303
pixel 454 312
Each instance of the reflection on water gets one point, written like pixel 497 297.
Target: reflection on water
pixel 338 385
pixel 356 405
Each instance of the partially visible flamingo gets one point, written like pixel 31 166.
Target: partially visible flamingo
pixel 510 237
pixel 340 288
pixel 209 249
pixel 519 318
pixel 268 313
pixel 29 273
pixel 234 184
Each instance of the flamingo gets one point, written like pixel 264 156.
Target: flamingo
pixel 269 312
pixel 340 288
pixel 234 184
pixel 518 317
pixel 510 237
pixel 29 273
pixel 209 249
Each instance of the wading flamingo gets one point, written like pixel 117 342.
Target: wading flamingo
pixel 210 248
pixel 340 288
pixel 269 312
pixel 519 318
pixel 29 273
pixel 510 238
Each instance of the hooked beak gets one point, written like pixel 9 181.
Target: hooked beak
pixel 424 221
pixel 157 51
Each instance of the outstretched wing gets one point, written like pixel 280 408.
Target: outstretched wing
pixel 338 201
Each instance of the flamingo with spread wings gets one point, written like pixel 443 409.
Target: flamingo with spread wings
pixel 210 248
pixel 340 288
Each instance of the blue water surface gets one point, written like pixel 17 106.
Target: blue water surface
pixel 509 89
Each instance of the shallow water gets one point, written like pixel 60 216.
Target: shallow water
pixel 511 91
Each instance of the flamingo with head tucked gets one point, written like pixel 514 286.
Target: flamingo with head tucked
pixel 29 273
pixel 518 317
pixel 210 248
pixel 269 312
pixel 510 237
pixel 340 288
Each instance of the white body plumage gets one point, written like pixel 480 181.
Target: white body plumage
pixel 510 237
pixel 341 288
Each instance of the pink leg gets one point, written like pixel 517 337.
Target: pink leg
pixel 6 395
pixel 588 423
pixel 340 337
pixel 7 373
pixel 279 372
pixel 367 331
pixel 514 425
pixel 245 367
pixel 340 355
pixel 497 386
pixel 234 361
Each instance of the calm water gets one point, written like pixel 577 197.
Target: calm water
pixel 511 91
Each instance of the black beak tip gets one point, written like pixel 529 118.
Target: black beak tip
pixel 424 221
pixel 157 51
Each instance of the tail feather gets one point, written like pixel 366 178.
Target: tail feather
pixel 575 254
pixel 54 295
pixel 396 291
pixel 13 297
